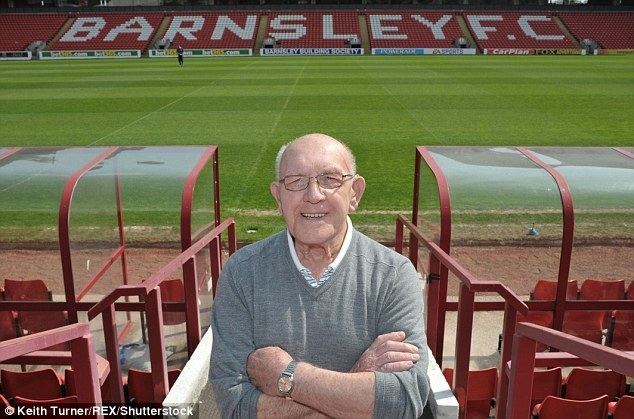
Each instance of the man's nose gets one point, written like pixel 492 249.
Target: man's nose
pixel 313 192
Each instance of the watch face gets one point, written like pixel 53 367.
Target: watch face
pixel 284 384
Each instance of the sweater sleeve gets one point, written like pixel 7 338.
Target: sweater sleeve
pixel 232 326
pixel 403 394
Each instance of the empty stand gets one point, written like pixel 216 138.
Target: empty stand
pixel 38 385
pixel 516 30
pixel 109 31
pixel 583 383
pixel 213 30
pixel 558 408
pixel 302 29
pixel 611 30
pixel 391 29
pixel 19 30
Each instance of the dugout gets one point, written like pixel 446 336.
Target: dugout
pixel 96 225
pixel 495 220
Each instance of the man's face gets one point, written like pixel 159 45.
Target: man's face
pixel 315 215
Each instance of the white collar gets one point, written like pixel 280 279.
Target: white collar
pixel 335 263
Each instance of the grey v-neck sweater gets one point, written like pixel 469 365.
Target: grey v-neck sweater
pixel 263 300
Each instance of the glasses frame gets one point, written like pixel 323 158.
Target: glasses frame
pixel 344 178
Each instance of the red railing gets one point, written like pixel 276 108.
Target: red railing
pixel 574 351
pixel 469 285
pixel 89 368
pixel 149 292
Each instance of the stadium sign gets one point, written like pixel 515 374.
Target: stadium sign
pixel 551 51
pixel 15 55
pixel 310 51
pixel 507 51
pixel 423 51
pixel 215 52
pixel 83 55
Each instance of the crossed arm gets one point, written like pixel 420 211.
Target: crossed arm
pixel 319 392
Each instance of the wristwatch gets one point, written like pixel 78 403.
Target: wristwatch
pixel 285 382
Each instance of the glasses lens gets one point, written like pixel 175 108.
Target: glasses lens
pixel 330 180
pixel 295 183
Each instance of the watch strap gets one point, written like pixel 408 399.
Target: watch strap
pixel 290 368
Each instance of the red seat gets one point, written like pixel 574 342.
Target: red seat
pixel 172 290
pixel 582 384
pixel 545 290
pixel 557 408
pixel 480 393
pixel 8 326
pixel 140 385
pixel 594 289
pixel 545 383
pixel 23 401
pixel 584 324
pixel 38 385
pixel 35 321
pixel 623 409
pixel 621 330
pixel 542 318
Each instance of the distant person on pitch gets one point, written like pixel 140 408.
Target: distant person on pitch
pixel 179 53
pixel 318 320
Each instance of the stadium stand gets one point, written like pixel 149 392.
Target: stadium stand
pixel 322 29
pixel 109 31
pixel 610 30
pixel 19 30
pixel 389 29
pixel 213 30
pixel 516 30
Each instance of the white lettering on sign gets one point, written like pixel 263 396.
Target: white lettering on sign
pixel 84 29
pixel 381 31
pixel 328 29
pixel 186 26
pixel 137 24
pixel 226 23
pixel 524 22
pixel 481 31
pixel 297 30
pixel 436 27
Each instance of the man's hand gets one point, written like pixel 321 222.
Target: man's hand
pixel 265 365
pixel 388 353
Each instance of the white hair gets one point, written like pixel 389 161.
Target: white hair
pixel 280 154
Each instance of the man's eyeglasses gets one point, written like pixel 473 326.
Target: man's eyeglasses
pixel 324 180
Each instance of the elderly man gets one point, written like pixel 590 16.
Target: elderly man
pixel 318 320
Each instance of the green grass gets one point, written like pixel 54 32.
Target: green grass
pixel 381 106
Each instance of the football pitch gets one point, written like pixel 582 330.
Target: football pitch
pixel 381 106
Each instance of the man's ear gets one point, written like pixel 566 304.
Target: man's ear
pixel 358 187
pixel 275 191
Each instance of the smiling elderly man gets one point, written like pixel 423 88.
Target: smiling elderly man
pixel 318 320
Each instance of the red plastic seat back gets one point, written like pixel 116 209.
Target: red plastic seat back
pixel 172 291
pixel 594 289
pixel 545 383
pixel 623 409
pixel 629 294
pixel 542 318
pixel 558 408
pixel 7 326
pixel 481 390
pixel 140 385
pixel 37 385
pixel 547 290
pixel 26 290
pixel 584 324
pixel 622 330
pixel 23 401
pixel 583 383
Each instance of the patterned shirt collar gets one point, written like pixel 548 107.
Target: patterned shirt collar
pixel 330 269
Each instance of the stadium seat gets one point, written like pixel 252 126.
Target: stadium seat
pixel 621 330
pixel 139 385
pixel 584 324
pixel 611 30
pixel 38 385
pixel 545 383
pixel 23 401
pixel 245 23
pixel 597 290
pixel 545 290
pixel 343 23
pixel 557 408
pixel 3 401
pixel 35 321
pixel 542 318
pixel 19 30
pixel 481 391
pixel 394 29
pixel 172 290
pixel 8 326
pixel 623 409
pixel 583 383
